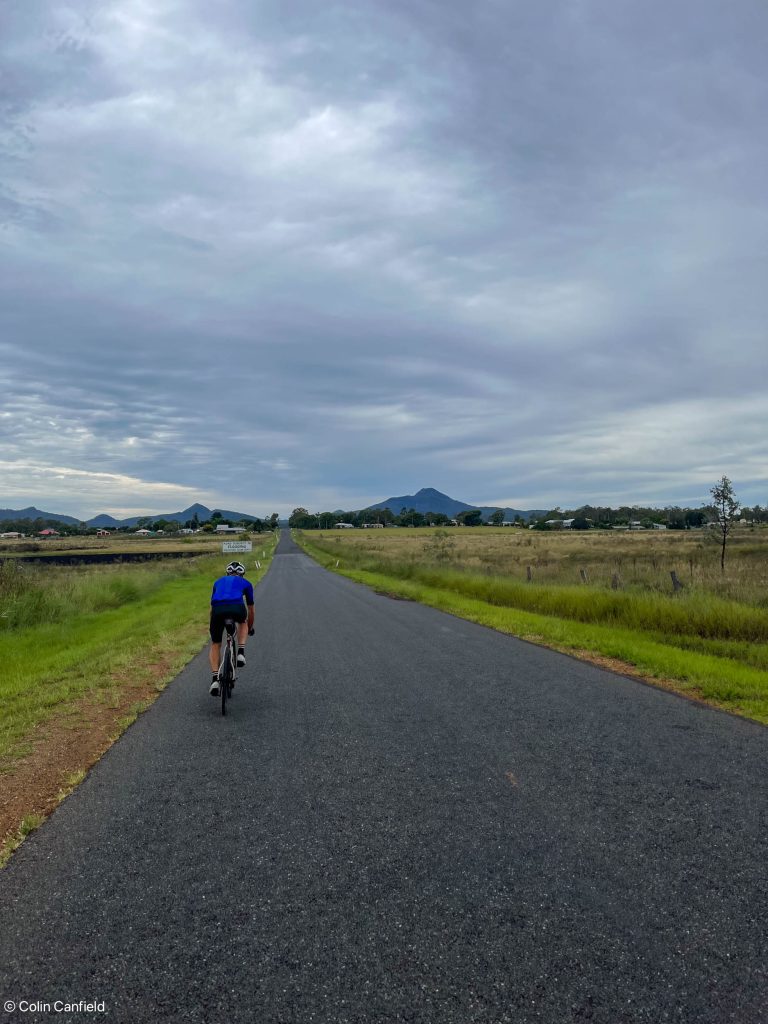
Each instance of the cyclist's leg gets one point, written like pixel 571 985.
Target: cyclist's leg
pixel 242 636
pixel 214 656
pixel 214 652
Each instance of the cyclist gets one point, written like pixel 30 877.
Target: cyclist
pixel 231 598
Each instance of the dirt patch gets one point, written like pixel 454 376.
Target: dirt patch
pixel 65 746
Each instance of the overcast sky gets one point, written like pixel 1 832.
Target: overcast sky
pixel 263 253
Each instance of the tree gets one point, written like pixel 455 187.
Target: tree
pixel 300 519
pixel 726 505
pixel 437 519
pixel 472 517
pixel 497 517
pixel 273 521
pixel 694 517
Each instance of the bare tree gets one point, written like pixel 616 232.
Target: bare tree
pixel 726 506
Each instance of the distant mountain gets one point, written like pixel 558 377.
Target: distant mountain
pixel 35 513
pixel 430 500
pixel 203 515
pixel 103 520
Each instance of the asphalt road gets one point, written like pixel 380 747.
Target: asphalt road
pixel 405 817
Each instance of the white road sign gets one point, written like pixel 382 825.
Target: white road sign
pixel 232 547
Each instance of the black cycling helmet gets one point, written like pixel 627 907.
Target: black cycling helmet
pixel 235 569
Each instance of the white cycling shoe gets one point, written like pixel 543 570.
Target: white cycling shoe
pixel 214 690
pixel 240 660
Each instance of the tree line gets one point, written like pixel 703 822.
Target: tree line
pixel 585 517
pixel 31 527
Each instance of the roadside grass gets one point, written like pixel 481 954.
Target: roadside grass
pixel 37 593
pixel 697 644
pixel 28 825
pixel 70 635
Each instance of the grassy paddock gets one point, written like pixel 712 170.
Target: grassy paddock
pixel 66 633
pixel 711 639
pixel 641 559
pixel 119 543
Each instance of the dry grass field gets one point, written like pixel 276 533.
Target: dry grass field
pixel 640 559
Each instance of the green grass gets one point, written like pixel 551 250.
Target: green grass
pixel 27 826
pixel 709 658
pixel 54 594
pixel 91 628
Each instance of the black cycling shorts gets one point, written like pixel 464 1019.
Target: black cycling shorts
pixel 221 612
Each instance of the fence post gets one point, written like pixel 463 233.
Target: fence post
pixel 615 583
pixel 583 574
pixel 675 581
pixel 528 573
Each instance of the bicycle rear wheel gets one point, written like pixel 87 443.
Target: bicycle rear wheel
pixel 227 666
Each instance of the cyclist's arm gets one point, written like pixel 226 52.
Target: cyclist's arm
pixel 249 602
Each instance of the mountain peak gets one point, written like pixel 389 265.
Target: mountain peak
pixel 430 492
pixel 430 500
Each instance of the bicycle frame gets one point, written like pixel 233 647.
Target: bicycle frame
pixel 227 661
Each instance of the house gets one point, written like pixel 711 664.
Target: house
pixel 186 531
pixel 143 533
pixel 10 536
pixel 229 529
pixel 373 526
pixel 344 526
pixel 102 533
pixel 49 533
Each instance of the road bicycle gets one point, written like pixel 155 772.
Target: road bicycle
pixel 228 663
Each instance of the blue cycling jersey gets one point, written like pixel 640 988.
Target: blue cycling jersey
pixel 231 590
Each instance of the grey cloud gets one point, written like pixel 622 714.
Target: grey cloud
pixel 385 245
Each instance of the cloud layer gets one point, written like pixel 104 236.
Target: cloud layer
pixel 267 257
